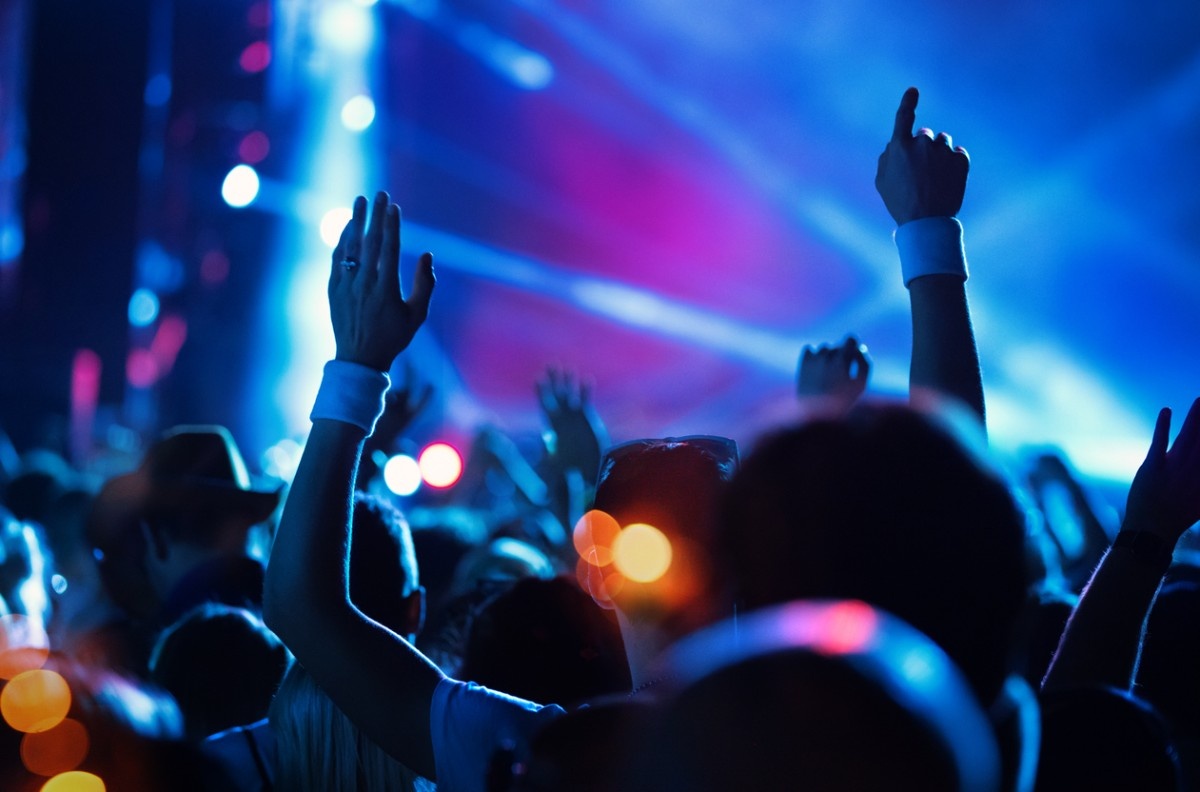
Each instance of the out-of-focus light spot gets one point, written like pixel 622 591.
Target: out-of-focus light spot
pixel 158 90
pixel 56 750
pixel 143 308
pixel 214 267
pixel 366 3
pixel 441 465
pixel 332 224
pixel 165 346
pixel 240 187
pixel 12 241
pixel 919 666
pixel 421 9
pixel 74 781
pixel 59 584
pixel 255 57
pixel 642 553
pixel 259 14
pixel 34 701
pixel 596 583
pixel 847 627
pixel 157 269
pixel 346 28
pixel 254 147
pixel 24 645
pixel 358 113
pixel 402 475
pixel 531 70
pixel 594 535
pixel 141 369
pixel 282 459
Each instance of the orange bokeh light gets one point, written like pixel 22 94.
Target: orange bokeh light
pixel 74 781
pixel 24 645
pixel 56 750
pixel 594 535
pixel 34 701
pixel 642 553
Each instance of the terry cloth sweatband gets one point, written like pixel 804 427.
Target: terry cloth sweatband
pixel 351 393
pixel 931 246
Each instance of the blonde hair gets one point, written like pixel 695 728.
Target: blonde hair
pixel 320 750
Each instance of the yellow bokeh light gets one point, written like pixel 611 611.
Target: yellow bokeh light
pixel 35 701
pixel 74 781
pixel 593 537
pixel 24 645
pixel 642 553
pixel 57 750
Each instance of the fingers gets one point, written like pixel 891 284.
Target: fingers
pixel 1188 441
pixel 375 231
pixel 1162 433
pixel 389 253
pixel 906 116
pixel 422 291
pixel 944 139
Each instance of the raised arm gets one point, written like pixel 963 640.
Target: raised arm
pixel 1103 638
pixel 382 683
pixel 922 180
pixel 833 376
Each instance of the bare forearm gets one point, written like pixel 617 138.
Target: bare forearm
pixel 1102 641
pixel 944 356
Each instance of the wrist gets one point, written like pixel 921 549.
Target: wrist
pixel 1148 547
pixel 931 246
pixel 352 393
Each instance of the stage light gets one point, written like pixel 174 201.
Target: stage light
pixel 594 535
pixel 12 241
pixel 240 187
pixel 74 781
pixel 332 224
pixel 402 475
pixel 642 553
pixel 441 466
pixel 345 27
pixel 254 147
pixel 24 645
pixel 358 113
pixel 56 750
pixel 34 701
pixel 255 57
pixel 143 308
pixel 141 368
pixel 158 90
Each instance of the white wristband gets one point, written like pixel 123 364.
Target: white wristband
pixel 931 246
pixel 351 393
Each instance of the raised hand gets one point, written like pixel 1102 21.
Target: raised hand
pixel 579 433
pixel 372 321
pixel 1164 498
pixel 920 175
pixel 834 372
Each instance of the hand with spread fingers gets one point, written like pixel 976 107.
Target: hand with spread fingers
pixel 579 434
pixel 920 175
pixel 372 320
pixel 834 372
pixel 1164 498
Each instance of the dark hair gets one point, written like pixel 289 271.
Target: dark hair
pixel 887 506
pixel 383 564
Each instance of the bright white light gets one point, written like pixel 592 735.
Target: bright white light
pixel 358 113
pixel 143 308
pixel 366 3
pixel 332 224
pixel 441 465
pixel 346 27
pixel 240 187
pixel 402 475
pixel 530 70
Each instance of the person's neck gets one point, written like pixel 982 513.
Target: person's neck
pixel 643 645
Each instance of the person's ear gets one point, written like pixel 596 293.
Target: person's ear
pixel 414 611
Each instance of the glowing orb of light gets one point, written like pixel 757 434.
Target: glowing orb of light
pixel 441 465
pixel 240 187
pixel 402 475
pixel 143 308
pixel 34 701
pixel 74 781
pixel 332 224
pixel 594 535
pixel 24 645
pixel 56 750
pixel 358 113
pixel 642 553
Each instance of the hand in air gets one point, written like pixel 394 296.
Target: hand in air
pixel 834 372
pixel 920 175
pixel 579 434
pixel 1165 495
pixel 372 320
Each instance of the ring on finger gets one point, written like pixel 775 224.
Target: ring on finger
pixel 349 263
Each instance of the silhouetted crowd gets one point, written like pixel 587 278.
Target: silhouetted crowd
pixel 866 600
